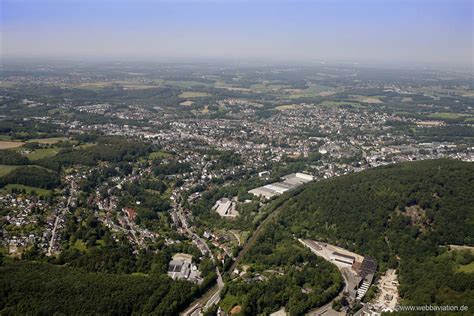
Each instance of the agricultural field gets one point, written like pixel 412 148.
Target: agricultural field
pixel 126 84
pixel 160 155
pixel 331 103
pixel 273 87
pixel 136 85
pixel 7 84
pixel 28 189
pixel 5 144
pixel 467 268
pixel 42 153
pixel 468 94
pixel 193 94
pixel 449 116
pixel 83 146
pixel 48 141
pixel 313 90
pixel 205 110
pixel 5 137
pixel 187 103
pixel 366 99
pixel 188 84
pixel 268 87
pixel 259 87
pixel 287 107
pixel 5 169
pixel 223 85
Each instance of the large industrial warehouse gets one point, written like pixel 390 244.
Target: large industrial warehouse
pixel 290 181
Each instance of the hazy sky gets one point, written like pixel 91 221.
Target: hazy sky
pixel 347 30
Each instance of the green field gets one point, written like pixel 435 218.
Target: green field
pixel 467 268
pixel 367 99
pixel 5 169
pixel 310 92
pixel 80 245
pixel 6 144
pixel 223 85
pixel 446 115
pixel 205 110
pixel 83 146
pixel 192 94
pixel 330 103
pixel 188 84
pixel 267 87
pixel 259 87
pixel 160 155
pixel 187 103
pixel 28 189
pixel 276 87
pixel 49 141
pixel 42 153
pixel 6 84
pixel 287 107
pixel 5 137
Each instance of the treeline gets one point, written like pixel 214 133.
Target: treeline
pixel 27 129
pixel 31 176
pixel 171 168
pixel 10 157
pixel 111 149
pixel 64 159
pixel 151 204
pixel 116 149
pixel 64 290
pixel 446 133
pixel 226 159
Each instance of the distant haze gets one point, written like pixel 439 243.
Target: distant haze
pixel 435 31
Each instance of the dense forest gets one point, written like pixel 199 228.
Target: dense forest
pixel 31 176
pixel 109 149
pixel 10 157
pixel 63 290
pixel 94 274
pixel 282 273
pixel 400 214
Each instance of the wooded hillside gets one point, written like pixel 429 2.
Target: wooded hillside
pixel 404 211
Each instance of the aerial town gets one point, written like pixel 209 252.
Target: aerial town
pixel 196 180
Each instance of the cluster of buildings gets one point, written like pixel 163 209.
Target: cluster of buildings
pixel 181 267
pixel 358 271
pixel 226 208
pixel 29 221
pixel 290 181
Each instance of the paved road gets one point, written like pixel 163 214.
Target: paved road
pixel 61 212
pixel 53 235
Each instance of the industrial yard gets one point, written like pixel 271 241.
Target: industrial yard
pixel 358 271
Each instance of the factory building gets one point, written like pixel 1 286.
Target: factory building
pixel 226 208
pixel 289 182
pixel 182 268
